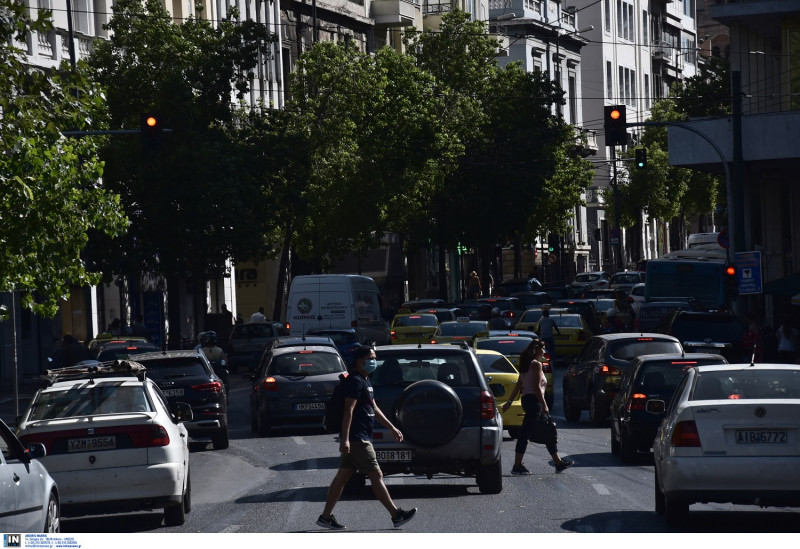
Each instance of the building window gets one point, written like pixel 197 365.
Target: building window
pixel 625 22
pixel 647 90
pixel 573 98
pixel 609 81
pixel 627 85
pixel 688 8
pixel 690 50
pixel 645 39
pixel 82 17
pixel 607 16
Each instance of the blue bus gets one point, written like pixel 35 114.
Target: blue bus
pixel 703 281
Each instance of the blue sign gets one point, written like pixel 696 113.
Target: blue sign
pixel 748 272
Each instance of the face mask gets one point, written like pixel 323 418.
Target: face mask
pixel 370 365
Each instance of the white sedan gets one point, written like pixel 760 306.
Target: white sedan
pixel 113 442
pixel 731 435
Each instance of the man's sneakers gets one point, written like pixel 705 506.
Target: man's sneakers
pixel 563 465
pixel 403 516
pixel 330 522
pixel 520 470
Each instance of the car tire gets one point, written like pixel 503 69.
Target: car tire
pixel 220 439
pixel 52 521
pixel 414 418
pixel 614 444
pixel 253 420
pixel 175 514
pixel 490 478
pixel 187 497
pixel 627 451
pixel 571 413
pixel 659 496
pixel 263 426
pixel 596 414
pixel 676 511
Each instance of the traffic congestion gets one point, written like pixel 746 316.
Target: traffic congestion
pixel 684 433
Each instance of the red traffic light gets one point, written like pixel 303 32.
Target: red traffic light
pixel 614 114
pixel 151 121
pixel 731 270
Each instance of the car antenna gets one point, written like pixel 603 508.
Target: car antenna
pixel 753 356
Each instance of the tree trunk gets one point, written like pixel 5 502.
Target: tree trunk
pixel 277 309
pixel 174 312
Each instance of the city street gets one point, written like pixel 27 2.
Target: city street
pixel 278 484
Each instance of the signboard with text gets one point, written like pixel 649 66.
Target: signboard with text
pixel 748 272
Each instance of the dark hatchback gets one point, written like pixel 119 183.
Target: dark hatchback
pixel 187 376
pixel 292 386
pixel 708 332
pixel 644 392
pixel 593 378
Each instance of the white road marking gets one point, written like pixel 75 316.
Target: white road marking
pixel 230 529
pixel 299 440
pixel 601 489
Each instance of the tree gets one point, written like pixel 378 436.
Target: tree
pixel 51 195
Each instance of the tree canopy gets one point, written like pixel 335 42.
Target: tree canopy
pixel 52 195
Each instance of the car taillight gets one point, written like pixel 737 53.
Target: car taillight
pixel 269 384
pixel 156 435
pixel 394 335
pixel 487 405
pixel 606 370
pixel 508 314
pixel 685 435
pixel 212 387
pixel 547 368
pixel 288 326
pixel 636 402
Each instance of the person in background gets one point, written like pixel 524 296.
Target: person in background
pixel 258 317
pixel 497 322
pixel 355 442
pixel 474 286
pixel 546 328
pixel 752 341
pixel 532 384
pixel 227 315
pixel 787 342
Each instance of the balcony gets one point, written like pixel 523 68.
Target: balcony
pixel 588 142
pixel 395 13
pixel 661 50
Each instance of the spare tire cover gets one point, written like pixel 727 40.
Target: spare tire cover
pixel 429 413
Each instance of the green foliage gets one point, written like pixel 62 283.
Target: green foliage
pixel 190 209
pixel 51 196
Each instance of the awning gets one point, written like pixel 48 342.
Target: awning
pixel 788 285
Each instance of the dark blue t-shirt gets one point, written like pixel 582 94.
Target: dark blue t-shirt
pixel 360 389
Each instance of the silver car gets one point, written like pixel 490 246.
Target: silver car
pixel 730 435
pixel 29 500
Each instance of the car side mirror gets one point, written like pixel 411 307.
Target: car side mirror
pixel 36 450
pixel 656 407
pixel 181 411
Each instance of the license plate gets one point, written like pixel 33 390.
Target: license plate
pixel 172 392
pixel 761 437
pixel 305 406
pixel 91 443
pixel 394 455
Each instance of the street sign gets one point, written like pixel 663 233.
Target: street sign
pixel 724 239
pixel 748 272
pixel 613 236
pixel 552 258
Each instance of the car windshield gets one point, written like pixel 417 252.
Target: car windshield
pixel 306 363
pixel 493 364
pixel 90 400
pixel 404 369
pixel 630 349
pixel 627 278
pixel 415 320
pixel 462 328
pixel 506 346
pixel 747 383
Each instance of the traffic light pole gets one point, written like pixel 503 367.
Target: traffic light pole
pixel 619 248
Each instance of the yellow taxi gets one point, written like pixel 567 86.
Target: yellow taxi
pixel 530 318
pixel 413 327
pixel 573 332
pixel 502 377
pixel 511 346
pixel 463 329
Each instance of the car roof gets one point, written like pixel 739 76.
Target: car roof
pixel 634 335
pixel 296 348
pixel 744 366
pixel 679 356
pixel 125 370
pixel 168 354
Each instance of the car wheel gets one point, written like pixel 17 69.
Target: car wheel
pixel 676 510
pixel 52 521
pixel 355 484
pixel 627 451
pixel 187 497
pixel 659 496
pixel 514 432
pixel 175 515
pixel 596 413
pixel 420 426
pixel 220 439
pixel 490 478
pixel 571 413
pixel 263 424
pixel 614 444
pixel 253 420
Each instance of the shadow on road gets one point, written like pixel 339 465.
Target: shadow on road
pixel 711 521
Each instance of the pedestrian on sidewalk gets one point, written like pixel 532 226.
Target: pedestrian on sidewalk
pixel 532 384
pixel 355 441
pixel 787 342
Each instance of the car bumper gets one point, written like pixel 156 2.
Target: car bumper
pixel 742 480
pixel 135 485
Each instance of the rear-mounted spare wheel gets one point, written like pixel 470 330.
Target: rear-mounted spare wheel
pixel 429 413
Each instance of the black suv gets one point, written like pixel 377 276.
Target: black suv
pixel 644 393
pixel 708 332
pixel 593 379
pixel 438 397
pixel 187 376
pixel 248 341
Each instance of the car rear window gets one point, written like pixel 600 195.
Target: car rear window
pixel 587 277
pixel 662 374
pixel 462 328
pixel 122 352
pixel 340 338
pixel 506 346
pixel 567 321
pixel 175 367
pixel 747 384
pixel 716 327
pixel 250 331
pixel 306 363
pixel 456 370
pixel 628 350
pixel 90 400
pixel 493 364
pixel 626 279
pixel 416 320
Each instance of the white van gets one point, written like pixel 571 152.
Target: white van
pixel 336 301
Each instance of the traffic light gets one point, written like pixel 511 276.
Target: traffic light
pixel 731 282
pixel 641 158
pixel 615 125
pixel 553 243
pixel 152 131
